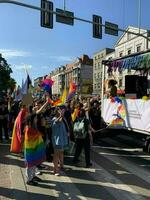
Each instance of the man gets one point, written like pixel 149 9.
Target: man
pixel 3 121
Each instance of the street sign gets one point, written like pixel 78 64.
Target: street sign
pixel 64 16
pixel 111 29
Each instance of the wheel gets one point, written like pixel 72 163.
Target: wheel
pixel 148 148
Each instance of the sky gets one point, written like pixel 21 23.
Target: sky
pixel 25 44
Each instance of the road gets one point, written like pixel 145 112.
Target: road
pixel 120 171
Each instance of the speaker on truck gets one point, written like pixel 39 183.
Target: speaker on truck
pixel 135 84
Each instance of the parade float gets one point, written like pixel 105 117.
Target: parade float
pixel 132 109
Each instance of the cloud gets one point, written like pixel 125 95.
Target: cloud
pixel 62 58
pixel 21 67
pixel 10 53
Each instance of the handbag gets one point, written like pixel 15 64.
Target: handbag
pixel 79 129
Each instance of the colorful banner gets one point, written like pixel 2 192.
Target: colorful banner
pixel 133 62
pixel 136 113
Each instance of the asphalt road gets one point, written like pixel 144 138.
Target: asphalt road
pixel 120 171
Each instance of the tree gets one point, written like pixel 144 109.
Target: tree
pixel 6 82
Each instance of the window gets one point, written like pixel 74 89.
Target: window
pixel 120 54
pixel 120 82
pixel 138 49
pixel 120 72
pixel 129 71
pixel 129 51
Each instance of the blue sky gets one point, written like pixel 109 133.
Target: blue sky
pixel 23 42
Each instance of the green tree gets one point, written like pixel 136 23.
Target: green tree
pixel 6 82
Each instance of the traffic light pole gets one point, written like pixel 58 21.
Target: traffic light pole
pixel 76 18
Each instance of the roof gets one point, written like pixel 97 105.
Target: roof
pixel 129 28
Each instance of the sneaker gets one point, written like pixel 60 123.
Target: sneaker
pixel 57 174
pixel 38 173
pixel 35 178
pixel 32 182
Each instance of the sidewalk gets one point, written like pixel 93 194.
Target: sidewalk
pixel 13 181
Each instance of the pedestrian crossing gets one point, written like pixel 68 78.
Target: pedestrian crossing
pixel 120 171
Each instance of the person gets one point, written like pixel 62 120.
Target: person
pixel 112 92
pixel 18 131
pixel 34 149
pixel 60 140
pixel 3 121
pixel 83 137
pixel 67 115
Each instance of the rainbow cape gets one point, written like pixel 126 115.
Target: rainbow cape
pixel 16 142
pixel 34 149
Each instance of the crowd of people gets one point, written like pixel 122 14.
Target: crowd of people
pixel 43 132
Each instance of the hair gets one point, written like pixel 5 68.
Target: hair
pixel 112 82
pixel 82 111
pixel 30 119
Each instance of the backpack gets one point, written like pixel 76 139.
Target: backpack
pixel 79 129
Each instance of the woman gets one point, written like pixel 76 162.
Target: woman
pixel 112 88
pixel 59 140
pixel 34 149
pixel 83 136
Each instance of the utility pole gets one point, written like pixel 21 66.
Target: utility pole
pixel 139 14
pixel 64 5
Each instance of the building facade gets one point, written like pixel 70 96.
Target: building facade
pixel 58 77
pixel 98 69
pixel 81 73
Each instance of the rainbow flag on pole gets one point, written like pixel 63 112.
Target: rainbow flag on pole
pixel 72 91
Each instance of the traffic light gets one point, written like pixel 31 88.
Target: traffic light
pixel 97 28
pixel 46 17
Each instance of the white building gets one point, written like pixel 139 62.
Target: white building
pixel 127 45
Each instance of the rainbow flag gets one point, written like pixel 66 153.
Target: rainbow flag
pixel 61 101
pixel 64 96
pixel 117 121
pixel 121 111
pixel 34 149
pixel 75 114
pixel 46 84
pixel 16 142
pixel 72 91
